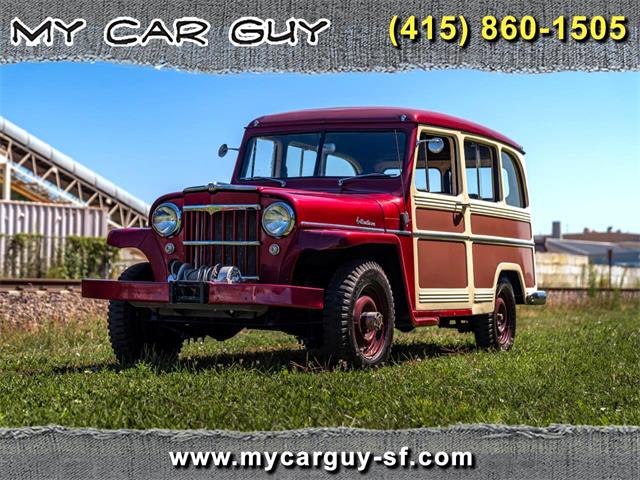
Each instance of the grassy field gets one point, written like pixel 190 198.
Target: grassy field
pixel 579 366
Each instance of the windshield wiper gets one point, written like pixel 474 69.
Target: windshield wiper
pixel 342 181
pixel 282 183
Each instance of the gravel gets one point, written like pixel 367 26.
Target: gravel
pixel 31 310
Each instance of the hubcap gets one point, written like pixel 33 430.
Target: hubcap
pixel 370 325
pixel 371 320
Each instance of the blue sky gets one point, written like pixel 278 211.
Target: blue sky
pixel 152 131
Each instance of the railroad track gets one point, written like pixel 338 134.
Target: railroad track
pixel 38 284
pixel 586 290
pixel 57 284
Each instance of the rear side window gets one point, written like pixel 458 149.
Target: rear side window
pixel 481 171
pixel 512 182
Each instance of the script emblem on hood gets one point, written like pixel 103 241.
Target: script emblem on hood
pixel 365 222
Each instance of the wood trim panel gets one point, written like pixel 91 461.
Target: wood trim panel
pixel 442 264
pixel 486 259
pixel 439 220
pixel 500 227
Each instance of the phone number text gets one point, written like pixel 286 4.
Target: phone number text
pixel 457 29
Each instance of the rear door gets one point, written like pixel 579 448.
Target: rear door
pixel 500 221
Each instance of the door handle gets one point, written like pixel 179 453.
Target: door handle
pixel 462 206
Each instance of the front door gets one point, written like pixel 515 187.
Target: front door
pixel 441 246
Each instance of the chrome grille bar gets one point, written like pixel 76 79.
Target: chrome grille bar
pixel 225 234
pixel 211 209
pixel 230 243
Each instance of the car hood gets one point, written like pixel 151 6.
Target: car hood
pixel 317 209
pixel 313 209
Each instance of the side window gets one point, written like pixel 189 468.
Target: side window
pixel 481 169
pixel 512 184
pixel 435 172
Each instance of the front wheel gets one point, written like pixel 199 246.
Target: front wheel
pixel 498 330
pixel 359 315
pixel 133 336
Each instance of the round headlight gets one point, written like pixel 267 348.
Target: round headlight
pixel 278 219
pixel 166 219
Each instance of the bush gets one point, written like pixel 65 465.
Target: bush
pixel 24 256
pixel 81 257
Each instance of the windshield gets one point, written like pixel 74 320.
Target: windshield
pixel 325 154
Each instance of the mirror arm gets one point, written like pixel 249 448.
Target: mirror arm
pixel 224 149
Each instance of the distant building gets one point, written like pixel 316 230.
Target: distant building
pixel 602 248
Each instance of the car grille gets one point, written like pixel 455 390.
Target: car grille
pixel 222 234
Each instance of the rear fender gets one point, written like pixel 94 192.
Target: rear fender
pixel 513 273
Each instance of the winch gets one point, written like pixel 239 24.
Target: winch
pixel 185 272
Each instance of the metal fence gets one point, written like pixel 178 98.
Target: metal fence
pixel 51 220
pixel 32 235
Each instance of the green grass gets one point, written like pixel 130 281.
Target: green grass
pixel 579 366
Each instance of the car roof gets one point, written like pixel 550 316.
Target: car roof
pixel 381 114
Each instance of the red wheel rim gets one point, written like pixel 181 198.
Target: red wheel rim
pixel 503 322
pixel 370 324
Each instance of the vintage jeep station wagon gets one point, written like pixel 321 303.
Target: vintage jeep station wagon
pixel 338 226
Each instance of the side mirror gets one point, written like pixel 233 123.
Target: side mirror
pixel 328 148
pixel 435 145
pixel 223 150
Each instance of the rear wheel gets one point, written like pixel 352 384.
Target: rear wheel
pixel 498 330
pixel 133 336
pixel 359 316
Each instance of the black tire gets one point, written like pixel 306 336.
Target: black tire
pixel 357 288
pixel 312 341
pixel 133 336
pixel 497 331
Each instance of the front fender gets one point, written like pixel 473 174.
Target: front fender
pixel 337 239
pixel 128 237
pixel 144 240
pixel 333 239
pixel 319 240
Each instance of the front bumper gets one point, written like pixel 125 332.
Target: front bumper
pixel 232 296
